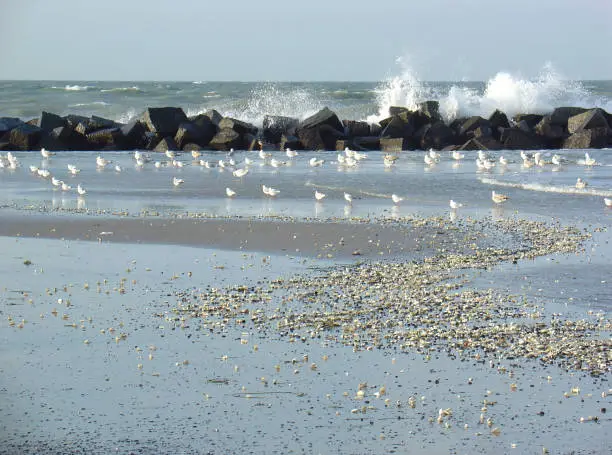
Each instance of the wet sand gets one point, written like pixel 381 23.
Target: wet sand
pixel 333 239
pixel 146 341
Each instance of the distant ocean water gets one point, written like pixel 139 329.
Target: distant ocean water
pixel 250 101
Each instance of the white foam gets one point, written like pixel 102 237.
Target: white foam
pixel 547 188
pixel 74 88
pixel 93 103
pixel 133 88
pixel 511 93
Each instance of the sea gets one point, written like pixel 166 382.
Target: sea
pixel 68 386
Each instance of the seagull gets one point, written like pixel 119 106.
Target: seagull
pixel 503 161
pixel 229 192
pixel 56 181
pixel 170 154
pixel 341 159
pixel 33 169
pixel 44 173
pixel 455 205
pixel 196 154
pixel 81 190
pixel 319 196
pixel 498 198
pixel 176 181
pixel 581 184
pixel 277 163
pixel 434 155
pixel 348 198
pixel 429 161
pixel 264 155
pixel 348 152
pixel 118 168
pixel 457 155
pixel 73 169
pixel 389 160
pixel 588 161
pixel 396 199
pixel 240 172
pixel 272 192
pixel 66 187
pixel 314 162
pixel 556 160
pixel 608 202
pixel 291 153
pixel 46 153
pixel 157 164
pixel 177 163
pixel 101 162
pixel 248 161
pixel 360 156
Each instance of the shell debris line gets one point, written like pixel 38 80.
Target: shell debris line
pixel 421 305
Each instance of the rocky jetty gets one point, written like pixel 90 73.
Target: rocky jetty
pixel 168 128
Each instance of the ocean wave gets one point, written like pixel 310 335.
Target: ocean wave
pixel 75 88
pixel 93 103
pixel 507 92
pixel 134 88
pixel 547 188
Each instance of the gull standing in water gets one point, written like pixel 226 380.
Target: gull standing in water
pixel 82 191
pixel 608 202
pixel 319 196
pixel 229 192
pixel 498 198
pixel 457 155
pixel 396 199
pixel 314 162
pixel 581 184
pixel 46 154
pixel 588 161
pixel 101 162
pixel 176 181
pixel 348 198
pixel 454 205
pixel 240 172
pixel 291 153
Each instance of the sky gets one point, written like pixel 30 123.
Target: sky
pixel 308 40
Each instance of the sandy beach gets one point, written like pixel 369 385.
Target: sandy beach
pixel 262 344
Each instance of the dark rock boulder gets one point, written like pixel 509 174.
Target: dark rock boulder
pixel 8 123
pixel 354 128
pixel 320 131
pixel 151 140
pixel 49 121
pixel 71 139
pixel 593 118
pixel 324 117
pixel 166 144
pixel 191 147
pixel 498 120
pixel 226 139
pixel 396 110
pixel 95 123
pixel 430 109
pixel 472 123
pixel 393 144
pixel 198 133
pixel 163 120
pixel 105 139
pixel 73 120
pixel 274 126
pixel 342 144
pixel 207 127
pixel 212 115
pixel 531 119
pixel 51 143
pixel 25 137
pixel 397 127
pixel 238 126
pixel 437 136
pixel 483 131
pixel 133 135
pixel 561 115
pixel 367 142
pixel 375 129
pixel 292 142
pixel 481 143
pixel 517 139
pixel 552 134
pixel 589 139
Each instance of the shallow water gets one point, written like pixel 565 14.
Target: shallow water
pixel 60 394
pixel 75 389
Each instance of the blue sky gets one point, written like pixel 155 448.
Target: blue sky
pixel 302 40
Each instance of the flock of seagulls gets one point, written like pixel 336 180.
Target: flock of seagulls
pixel 348 159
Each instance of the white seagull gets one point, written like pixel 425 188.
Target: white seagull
pixel 291 153
pixel 457 155
pixel 229 192
pixel 608 202
pixel 314 162
pixel 319 196
pixel 176 181
pixel 396 199
pixel 498 198
pixel 454 205
pixel 581 184
pixel 240 172
pixel 101 162
pixel 82 191
pixel 46 153
pixel 348 198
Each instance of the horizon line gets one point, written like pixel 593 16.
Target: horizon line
pixel 263 80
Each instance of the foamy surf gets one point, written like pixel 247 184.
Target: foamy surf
pixel 547 188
